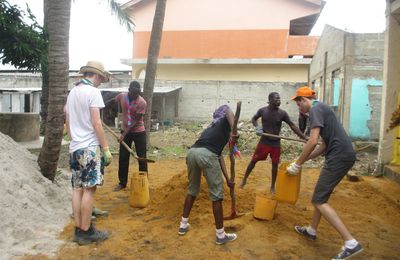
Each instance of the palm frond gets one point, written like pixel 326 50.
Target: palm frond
pixel 121 15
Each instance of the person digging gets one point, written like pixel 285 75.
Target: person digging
pixel 205 156
pixel 271 118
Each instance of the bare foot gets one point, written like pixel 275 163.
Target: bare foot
pixel 272 190
pixel 242 184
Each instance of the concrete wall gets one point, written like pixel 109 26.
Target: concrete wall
pixel 389 146
pixel 20 80
pixel 199 99
pixel 346 72
pixel 259 73
pixel 12 100
pixel 21 127
pixel 34 80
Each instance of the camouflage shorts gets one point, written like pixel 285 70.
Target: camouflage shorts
pixel 86 167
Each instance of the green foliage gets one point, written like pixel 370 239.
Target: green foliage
pixel 21 44
pixel 121 15
pixel 192 126
pixel 173 151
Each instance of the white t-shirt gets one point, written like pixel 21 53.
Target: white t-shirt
pixel 79 101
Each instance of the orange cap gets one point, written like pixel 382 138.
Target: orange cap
pixel 304 92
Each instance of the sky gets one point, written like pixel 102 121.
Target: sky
pixel 356 16
pixel 97 35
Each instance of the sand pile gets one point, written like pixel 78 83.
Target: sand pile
pixel 173 193
pixel 34 210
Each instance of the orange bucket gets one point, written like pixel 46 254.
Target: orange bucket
pixel 287 187
pixel 264 207
pixel 140 195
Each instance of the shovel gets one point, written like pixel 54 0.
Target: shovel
pixel 284 137
pixel 234 213
pixel 126 146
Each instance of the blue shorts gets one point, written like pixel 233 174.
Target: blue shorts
pixel 86 167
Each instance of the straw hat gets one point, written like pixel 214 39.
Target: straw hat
pixel 98 68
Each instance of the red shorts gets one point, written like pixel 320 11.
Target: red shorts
pixel 262 151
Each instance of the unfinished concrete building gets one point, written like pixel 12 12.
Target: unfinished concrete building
pixel 347 74
pixel 389 141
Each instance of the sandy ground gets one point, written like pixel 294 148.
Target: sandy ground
pixel 370 208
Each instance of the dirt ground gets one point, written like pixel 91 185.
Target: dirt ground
pixel 370 208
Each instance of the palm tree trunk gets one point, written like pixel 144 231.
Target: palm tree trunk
pixel 58 62
pixel 44 99
pixel 152 57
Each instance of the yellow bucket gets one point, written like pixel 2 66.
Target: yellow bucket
pixel 140 195
pixel 264 207
pixel 287 187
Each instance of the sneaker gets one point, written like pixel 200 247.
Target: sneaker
pixel 303 231
pixel 99 213
pixel 119 187
pixel 183 231
pixel 227 238
pixel 90 236
pixel 75 236
pixel 347 252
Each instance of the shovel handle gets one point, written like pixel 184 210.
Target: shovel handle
pixel 284 137
pixel 126 146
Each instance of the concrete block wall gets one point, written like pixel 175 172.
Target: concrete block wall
pixel 332 41
pixel 358 59
pixel 20 80
pixel 22 127
pixel 366 76
pixel 34 80
pixel 199 99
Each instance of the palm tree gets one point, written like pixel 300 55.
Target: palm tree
pixel 44 99
pixel 152 57
pixel 57 19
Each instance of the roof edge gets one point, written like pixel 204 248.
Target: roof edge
pixel 283 61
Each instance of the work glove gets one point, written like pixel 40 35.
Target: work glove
pixel 293 169
pixel 106 156
pixel 259 130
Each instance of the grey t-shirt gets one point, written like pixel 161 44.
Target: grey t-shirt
pixel 338 143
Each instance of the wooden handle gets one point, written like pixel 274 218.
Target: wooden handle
pixel 284 137
pixel 126 146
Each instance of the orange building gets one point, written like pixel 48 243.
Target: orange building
pixel 226 32
pixel 227 40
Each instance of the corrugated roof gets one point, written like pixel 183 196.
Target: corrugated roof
pixel 20 89
pixel 159 90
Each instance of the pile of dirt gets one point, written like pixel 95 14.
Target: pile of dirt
pixel 33 209
pixel 369 207
pixel 175 190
